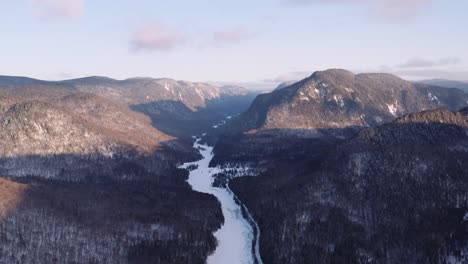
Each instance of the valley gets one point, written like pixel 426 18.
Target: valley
pixel 234 132
pixel 336 168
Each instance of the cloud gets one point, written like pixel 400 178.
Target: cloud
pixel 59 8
pixel 156 36
pixel 433 74
pixel 417 63
pixel 425 63
pixel 388 9
pixel 450 61
pixel 426 73
pixel 235 35
pixel 289 76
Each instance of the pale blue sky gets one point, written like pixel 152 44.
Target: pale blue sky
pixel 256 42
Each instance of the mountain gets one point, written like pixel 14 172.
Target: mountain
pixel 53 138
pixel 448 84
pixel 284 85
pixel 327 107
pixel 339 99
pixel 85 179
pixel 395 193
pixel 177 108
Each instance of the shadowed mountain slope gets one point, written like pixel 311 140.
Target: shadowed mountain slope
pixel 395 193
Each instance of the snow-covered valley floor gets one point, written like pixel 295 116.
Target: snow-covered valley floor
pixel 236 235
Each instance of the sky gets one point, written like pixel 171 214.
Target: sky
pixel 244 42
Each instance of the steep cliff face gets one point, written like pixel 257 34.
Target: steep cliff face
pixel 392 194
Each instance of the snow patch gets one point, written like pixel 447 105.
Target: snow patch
pixel 349 90
pixel 199 93
pixel 222 123
pixel 339 100
pixel 393 108
pixel 465 218
pixel 303 97
pixel 433 98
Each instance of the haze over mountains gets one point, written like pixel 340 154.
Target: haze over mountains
pixel 448 84
pixel 349 168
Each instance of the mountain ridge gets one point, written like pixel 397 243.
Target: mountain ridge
pixel 339 98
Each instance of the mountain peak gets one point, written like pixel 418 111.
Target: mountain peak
pixel 337 99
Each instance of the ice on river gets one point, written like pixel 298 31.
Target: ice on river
pixel 236 234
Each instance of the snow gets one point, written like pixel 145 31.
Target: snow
pixel 465 218
pixel 199 93
pixel 339 100
pixel 303 97
pixel 222 123
pixel 433 97
pixel 349 90
pixel 392 108
pixel 166 87
pixel 235 237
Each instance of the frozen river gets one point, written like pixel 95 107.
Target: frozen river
pixel 236 235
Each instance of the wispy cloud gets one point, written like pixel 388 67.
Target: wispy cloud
pixel 289 76
pixel 426 63
pixel 417 68
pixel 234 35
pixel 419 74
pixel 58 8
pixel 388 9
pixel 156 36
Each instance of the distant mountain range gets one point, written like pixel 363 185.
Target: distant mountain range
pixel 178 108
pixel 448 84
